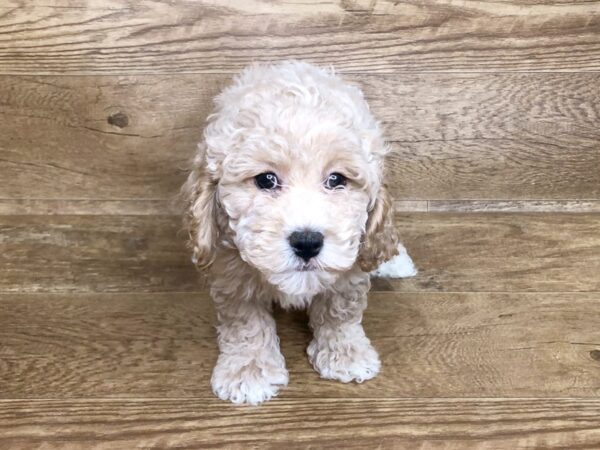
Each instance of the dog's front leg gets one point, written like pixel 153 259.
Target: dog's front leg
pixel 250 368
pixel 340 349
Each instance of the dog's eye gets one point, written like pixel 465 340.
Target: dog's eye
pixel 267 180
pixel 335 180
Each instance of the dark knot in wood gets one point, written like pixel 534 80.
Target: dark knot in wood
pixel 119 120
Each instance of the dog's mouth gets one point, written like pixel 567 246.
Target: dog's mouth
pixel 316 266
pixel 310 266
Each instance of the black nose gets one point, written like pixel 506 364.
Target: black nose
pixel 306 244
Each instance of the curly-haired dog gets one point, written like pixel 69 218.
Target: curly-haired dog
pixel 286 203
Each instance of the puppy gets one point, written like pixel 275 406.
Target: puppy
pixel 286 203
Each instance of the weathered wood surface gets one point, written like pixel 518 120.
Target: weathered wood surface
pixel 95 207
pixel 99 138
pixel 454 253
pixel 94 253
pixel 127 36
pixel 107 333
pixel 431 345
pixel 455 136
pixel 501 252
pixel 302 423
pixel 527 206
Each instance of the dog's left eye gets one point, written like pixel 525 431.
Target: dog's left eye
pixel 267 180
pixel 335 180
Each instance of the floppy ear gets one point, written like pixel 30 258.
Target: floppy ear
pixel 200 194
pixel 380 241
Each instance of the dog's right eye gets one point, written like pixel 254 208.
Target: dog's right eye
pixel 267 180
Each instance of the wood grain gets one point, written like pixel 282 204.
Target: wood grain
pixel 164 345
pixel 563 206
pixel 500 252
pixel 57 140
pixel 495 170
pixel 454 252
pixel 53 207
pixel 456 136
pixel 331 424
pixel 155 37
pixel 94 253
pixel 548 107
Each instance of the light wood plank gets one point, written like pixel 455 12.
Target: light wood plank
pixel 456 137
pixel 285 7
pixel 495 170
pixel 549 107
pixel 563 206
pixel 164 345
pixel 52 207
pixel 151 37
pixel 95 253
pixel 411 205
pixel 500 252
pixel 331 424
pixel 99 138
pixel 454 252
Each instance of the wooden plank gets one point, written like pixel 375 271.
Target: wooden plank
pixel 331 424
pixel 164 345
pixel 500 252
pixel 495 170
pixel 410 205
pixel 481 136
pixel 563 206
pixel 470 206
pixel 144 207
pixel 457 136
pixel 479 106
pixel 100 138
pixel 95 253
pixel 156 37
pixel 454 252
pixel 286 7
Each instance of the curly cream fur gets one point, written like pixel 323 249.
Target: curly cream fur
pixel 302 123
pixel 380 242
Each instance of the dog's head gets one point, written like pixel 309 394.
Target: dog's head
pixel 290 174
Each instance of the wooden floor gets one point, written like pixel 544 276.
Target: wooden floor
pixel 108 340
pixel 492 109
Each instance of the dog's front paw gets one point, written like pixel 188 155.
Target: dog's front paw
pixel 344 361
pixel 240 380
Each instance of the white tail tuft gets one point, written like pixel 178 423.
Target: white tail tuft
pixel 400 266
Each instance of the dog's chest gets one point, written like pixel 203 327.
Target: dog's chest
pixel 287 301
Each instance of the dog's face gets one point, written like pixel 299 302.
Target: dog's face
pixel 289 175
pixel 297 205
